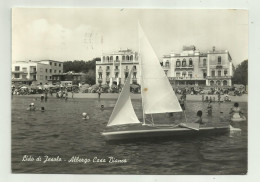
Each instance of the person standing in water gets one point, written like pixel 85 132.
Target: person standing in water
pixel 99 92
pixel 236 111
pixel 199 119
pixel 209 109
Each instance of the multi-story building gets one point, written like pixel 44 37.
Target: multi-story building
pixel 35 72
pixel 69 78
pixel 192 67
pixel 114 68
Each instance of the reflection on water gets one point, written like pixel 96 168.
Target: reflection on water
pixel 60 131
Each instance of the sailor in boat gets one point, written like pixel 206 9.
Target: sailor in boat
pixel 236 112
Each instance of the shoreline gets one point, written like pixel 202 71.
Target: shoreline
pixel 243 98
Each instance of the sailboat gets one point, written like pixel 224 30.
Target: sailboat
pixel 157 97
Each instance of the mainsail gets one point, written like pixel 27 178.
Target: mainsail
pixel 157 93
pixel 123 112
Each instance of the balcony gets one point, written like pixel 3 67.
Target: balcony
pixel 33 72
pixel 166 67
pixel 203 66
pixel 100 70
pixel 107 70
pixel 185 67
pixel 117 62
pixel 219 66
pixel 134 70
pixel 107 79
pixel 134 79
pixel 116 70
pixel 218 77
pixel 126 70
pixel 186 78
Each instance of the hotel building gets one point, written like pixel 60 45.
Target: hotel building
pixel 192 67
pixel 35 72
pixel 114 68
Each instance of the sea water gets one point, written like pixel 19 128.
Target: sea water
pixel 59 141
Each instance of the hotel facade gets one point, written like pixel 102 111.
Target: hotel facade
pixel 192 67
pixel 114 68
pixel 35 72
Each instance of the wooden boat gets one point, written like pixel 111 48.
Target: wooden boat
pixel 157 97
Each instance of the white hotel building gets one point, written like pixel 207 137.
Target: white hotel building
pixel 115 67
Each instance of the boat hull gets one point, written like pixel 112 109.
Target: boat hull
pixel 162 133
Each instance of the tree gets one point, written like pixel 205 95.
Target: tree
pixel 90 77
pixel 80 66
pixel 241 73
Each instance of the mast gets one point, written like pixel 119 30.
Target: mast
pixel 140 63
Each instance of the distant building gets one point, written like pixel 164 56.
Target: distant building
pixel 35 72
pixel 192 67
pixel 114 67
pixel 66 79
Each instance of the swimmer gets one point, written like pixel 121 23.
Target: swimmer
pixel 31 107
pixel 209 109
pixel 199 119
pixel 42 109
pixel 85 116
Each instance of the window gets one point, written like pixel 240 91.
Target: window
pixel 116 75
pixel 50 70
pixel 117 58
pixel 211 83
pixel 190 62
pixel 134 75
pixel 54 71
pixel 225 72
pixel 123 58
pixel 46 77
pixel 58 78
pixel 116 67
pixel 190 75
pixel 184 74
pixel 16 75
pixel 23 76
pixel 219 73
pixel 54 78
pixel 55 64
pixel 225 82
pixel 17 68
pixel 178 63
pixel 104 58
pixel 204 62
pixel 50 63
pixel 46 70
pixel 59 65
pixel 107 58
pixel 204 75
pixel 24 69
pixel 134 67
pixel 50 77
pixel 219 60
pixel 100 75
pixel 41 77
pixel 127 58
pixel 111 58
pixel 108 68
pixel 167 64
pixel 131 57
pixel 178 74
pixel 213 73
pixel 218 82
pixel 59 71
pixel 126 75
pixel 184 63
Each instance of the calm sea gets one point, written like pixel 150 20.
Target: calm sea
pixel 73 145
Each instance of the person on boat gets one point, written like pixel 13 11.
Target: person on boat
pixel 236 111
pixel 199 119
pixel 209 109
pixel 85 116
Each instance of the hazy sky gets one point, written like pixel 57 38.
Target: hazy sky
pixel 84 33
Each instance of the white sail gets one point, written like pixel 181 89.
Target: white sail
pixel 157 93
pixel 123 112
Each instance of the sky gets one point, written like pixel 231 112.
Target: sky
pixel 65 34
